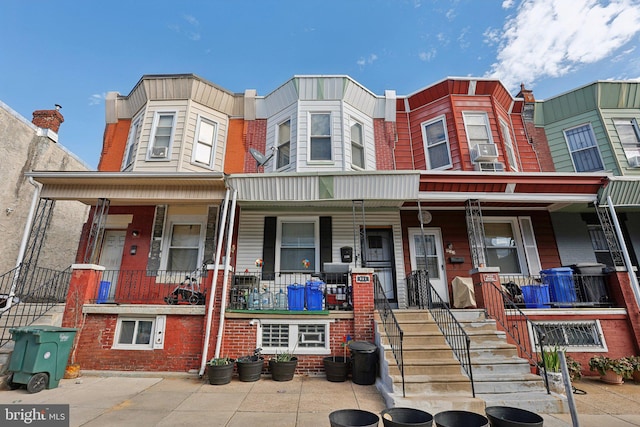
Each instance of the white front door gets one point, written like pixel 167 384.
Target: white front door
pixel 427 255
pixel 111 256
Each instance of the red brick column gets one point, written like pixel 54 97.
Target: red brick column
pixel 82 289
pixel 363 303
pixel 487 296
pixel 620 287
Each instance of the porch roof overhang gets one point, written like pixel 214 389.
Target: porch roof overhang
pixel 623 191
pixel 132 188
pixel 545 190
pixel 332 189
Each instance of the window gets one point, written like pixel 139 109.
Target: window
pixel 184 247
pixel 320 137
pixel 298 245
pixel 143 333
pixel 574 336
pixel 205 143
pixel 436 144
pixel 131 143
pixel 303 337
pixel 508 145
pixel 162 135
pixel 629 133
pixel 357 145
pixel 583 149
pixel 510 245
pixel 599 244
pixel 284 144
pixel 477 127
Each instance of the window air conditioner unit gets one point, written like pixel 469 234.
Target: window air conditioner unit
pixel 159 152
pixel 484 152
pixel 634 161
pixel 490 166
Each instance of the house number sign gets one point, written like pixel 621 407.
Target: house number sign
pixel 363 279
pixel 490 278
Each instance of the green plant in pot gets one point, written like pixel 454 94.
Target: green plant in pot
pixel 250 367
pixel 575 368
pixel 551 368
pixel 634 361
pixel 336 368
pixel 283 366
pixel 220 370
pixel 612 371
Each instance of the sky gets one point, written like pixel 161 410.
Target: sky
pixel 71 52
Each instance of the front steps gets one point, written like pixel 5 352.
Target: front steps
pixel 435 382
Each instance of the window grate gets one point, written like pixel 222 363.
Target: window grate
pixel 572 334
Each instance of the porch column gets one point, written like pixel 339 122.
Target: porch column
pixel 621 290
pixel 487 296
pixel 363 303
pixel 83 288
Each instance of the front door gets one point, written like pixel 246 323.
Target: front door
pixel 111 256
pixel 378 254
pixel 427 255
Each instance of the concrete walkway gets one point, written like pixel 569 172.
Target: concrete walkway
pixel 304 402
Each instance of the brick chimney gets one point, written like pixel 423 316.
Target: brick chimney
pixel 48 119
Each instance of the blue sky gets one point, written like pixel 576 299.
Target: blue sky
pixel 73 52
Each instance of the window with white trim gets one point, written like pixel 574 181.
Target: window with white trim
pixel 301 337
pixel 477 128
pixel 357 145
pixel 161 136
pixel 583 148
pixel 320 136
pixel 139 333
pixel 629 134
pixel 297 245
pixel 132 142
pixel 204 146
pixel 574 336
pixel 183 243
pixel 510 244
pixel 508 145
pixel 284 144
pixel 436 144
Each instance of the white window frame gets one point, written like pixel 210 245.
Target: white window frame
pixel 132 140
pixel 595 141
pixel 316 222
pixel 156 341
pixel 360 145
pixel 293 345
pixel 425 142
pixel 154 129
pixel 508 144
pixel 631 148
pixel 278 144
pixel 465 118
pixel 172 220
pixel 528 255
pixel 311 137
pixel 573 349
pixel 198 141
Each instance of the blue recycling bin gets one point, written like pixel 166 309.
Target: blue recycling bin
pixel 313 294
pixel 562 289
pixel 536 296
pixel 295 297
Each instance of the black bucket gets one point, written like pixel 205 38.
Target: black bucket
pixel 403 417
pixel 353 418
pixel 505 416
pixel 460 419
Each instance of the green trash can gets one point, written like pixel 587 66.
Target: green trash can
pixel 40 356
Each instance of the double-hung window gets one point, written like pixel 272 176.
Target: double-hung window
pixel 298 244
pixel 162 135
pixel 184 246
pixel 357 145
pixel 508 145
pixel 320 137
pixel 477 127
pixel 131 143
pixel 583 148
pixel 629 134
pixel 284 144
pixel 510 244
pixel 205 143
pixel 436 144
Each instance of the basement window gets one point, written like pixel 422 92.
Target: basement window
pixel 139 333
pixel 301 337
pixel 577 336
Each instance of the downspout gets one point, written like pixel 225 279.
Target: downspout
pixel 212 296
pixel 225 280
pixel 625 252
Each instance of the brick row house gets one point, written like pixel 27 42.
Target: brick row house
pixel 217 217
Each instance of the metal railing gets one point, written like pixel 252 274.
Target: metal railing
pixel 391 326
pixel 36 291
pixel 423 295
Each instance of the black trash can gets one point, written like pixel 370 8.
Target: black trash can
pixel 353 418
pixel 505 416
pixel 591 284
pixel 364 362
pixel 460 419
pixel 404 417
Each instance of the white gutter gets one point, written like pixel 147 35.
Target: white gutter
pixel 225 279
pixel 212 296
pixel 625 253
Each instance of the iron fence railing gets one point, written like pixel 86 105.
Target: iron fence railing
pixel 392 328
pixel 36 291
pixel 423 295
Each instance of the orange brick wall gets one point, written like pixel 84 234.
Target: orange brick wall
pixel 113 145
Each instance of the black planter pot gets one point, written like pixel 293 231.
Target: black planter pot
pixel 336 368
pixel 249 369
pixel 220 374
pixel 283 371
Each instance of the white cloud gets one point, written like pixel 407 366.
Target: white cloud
pixel 367 61
pixel 96 99
pixel 462 38
pixel 427 56
pixel 451 14
pixel 550 38
pixel 191 32
pixel 508 4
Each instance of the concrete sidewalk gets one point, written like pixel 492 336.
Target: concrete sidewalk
pixel 303 402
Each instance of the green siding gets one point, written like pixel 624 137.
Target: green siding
pixel 622 95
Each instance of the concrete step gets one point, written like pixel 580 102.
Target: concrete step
pixel 507 383
pixel 538 402
pixel 421 385
pixel 434 404
pixel 411 315
pixel 503 366
pixel 467 315
pixel 428 367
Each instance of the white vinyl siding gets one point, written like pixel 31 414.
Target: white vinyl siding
pixel 583 148
pixel 436 144
pixel 205 142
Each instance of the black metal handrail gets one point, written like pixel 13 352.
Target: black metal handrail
pixel 391 326
pixel 423 295
pixel 36 291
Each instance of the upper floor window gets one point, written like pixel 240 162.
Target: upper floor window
pixel 628 132
pixel 205 143
pixel 508 145
pixel 436 144
pixel 583 149
pixel 131 143
pixel 161 136
pixel 320 137
pixel 357 145
pixel 298 244
pixel 477 127
pixel 284 144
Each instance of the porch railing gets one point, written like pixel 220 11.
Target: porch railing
pixel 37 290
pixel 392 328
pixel 423 295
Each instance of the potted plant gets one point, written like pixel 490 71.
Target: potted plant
pixel 612 371
pixel 575 368
pixel 552 370
pixel 283 366
pixel 337 367
pixel 634 361
pixel 250 367
pixel 220 370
